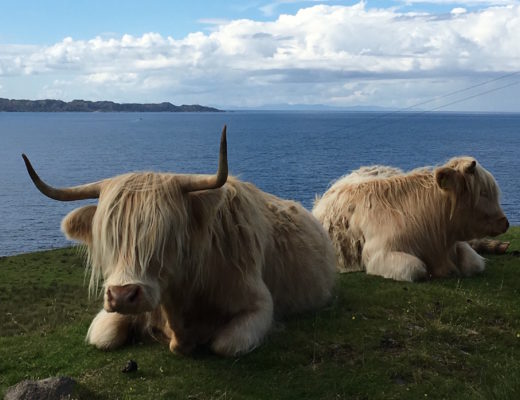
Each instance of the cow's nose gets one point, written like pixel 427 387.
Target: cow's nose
pixel 123 298
pixel 504 223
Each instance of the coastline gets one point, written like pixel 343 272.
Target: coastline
pixel 51 105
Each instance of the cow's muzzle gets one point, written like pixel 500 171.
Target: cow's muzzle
pixel 126 299
pixel 505 224
pixel 500 226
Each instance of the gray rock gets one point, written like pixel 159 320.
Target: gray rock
pixel 58 388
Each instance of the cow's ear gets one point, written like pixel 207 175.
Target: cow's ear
pixel 203 205
pixel 77 225
pixel 470 167
pixel 447 178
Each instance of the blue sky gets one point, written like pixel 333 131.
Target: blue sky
pixel 238 54
pixel 47 22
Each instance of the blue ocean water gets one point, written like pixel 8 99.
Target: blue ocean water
pixel 294 155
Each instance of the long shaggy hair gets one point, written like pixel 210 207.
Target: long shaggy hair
pixel 201 259
pixel 133 225
pixel 205 256
pixel 403 212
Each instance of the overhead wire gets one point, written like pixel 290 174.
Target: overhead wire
pixel 380 117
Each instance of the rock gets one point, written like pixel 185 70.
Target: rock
pixel 57 388
pixel 131 366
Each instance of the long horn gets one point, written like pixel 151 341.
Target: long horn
pixel 88 191
pixel 192 183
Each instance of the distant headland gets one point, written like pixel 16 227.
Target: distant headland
pixel 48 105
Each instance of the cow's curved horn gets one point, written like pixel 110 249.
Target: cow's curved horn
pixel 192 183
pixel 88 191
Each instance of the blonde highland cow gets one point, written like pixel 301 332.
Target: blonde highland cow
pixel 195 259
pixel 412 226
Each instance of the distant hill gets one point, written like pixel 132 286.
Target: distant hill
pixel 313 107
pixel 95 106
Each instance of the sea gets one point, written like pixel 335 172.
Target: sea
pixel 294 155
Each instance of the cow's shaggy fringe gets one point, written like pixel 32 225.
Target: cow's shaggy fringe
pixel 133 226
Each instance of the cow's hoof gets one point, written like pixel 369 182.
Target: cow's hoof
pixel 181 348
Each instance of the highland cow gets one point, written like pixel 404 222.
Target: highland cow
pixel 412 226
pixel 195 259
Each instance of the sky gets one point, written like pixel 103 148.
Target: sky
pixel 274 54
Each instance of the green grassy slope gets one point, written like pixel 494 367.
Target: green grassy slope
pixel 379 339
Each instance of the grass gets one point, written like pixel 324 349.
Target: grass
pixel 379 339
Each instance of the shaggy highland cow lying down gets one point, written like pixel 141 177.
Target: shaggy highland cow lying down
pixel 196 259
pixel 412 226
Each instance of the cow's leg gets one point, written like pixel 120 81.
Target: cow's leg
pixel 489 246
pixel 180 341
pixel 247 329
pixel 109 330
pixel 468 261
pixel 396 265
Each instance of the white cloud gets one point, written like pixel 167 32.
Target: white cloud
pixel 322 54
pixel 213 23
pixel 468 3
pixel 458 11
pixel 110 77
pixel 270 8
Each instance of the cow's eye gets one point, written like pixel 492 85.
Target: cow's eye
pixel 483 193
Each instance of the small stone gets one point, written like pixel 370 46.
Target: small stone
pixel 131 366
pixel 399 380
pixel 51 388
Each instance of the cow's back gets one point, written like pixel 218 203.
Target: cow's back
pixel 336 211
pixel 299 261
pixel 252 233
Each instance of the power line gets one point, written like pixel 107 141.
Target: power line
pixel 460 91
pixel 396 112
pixel 475 95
